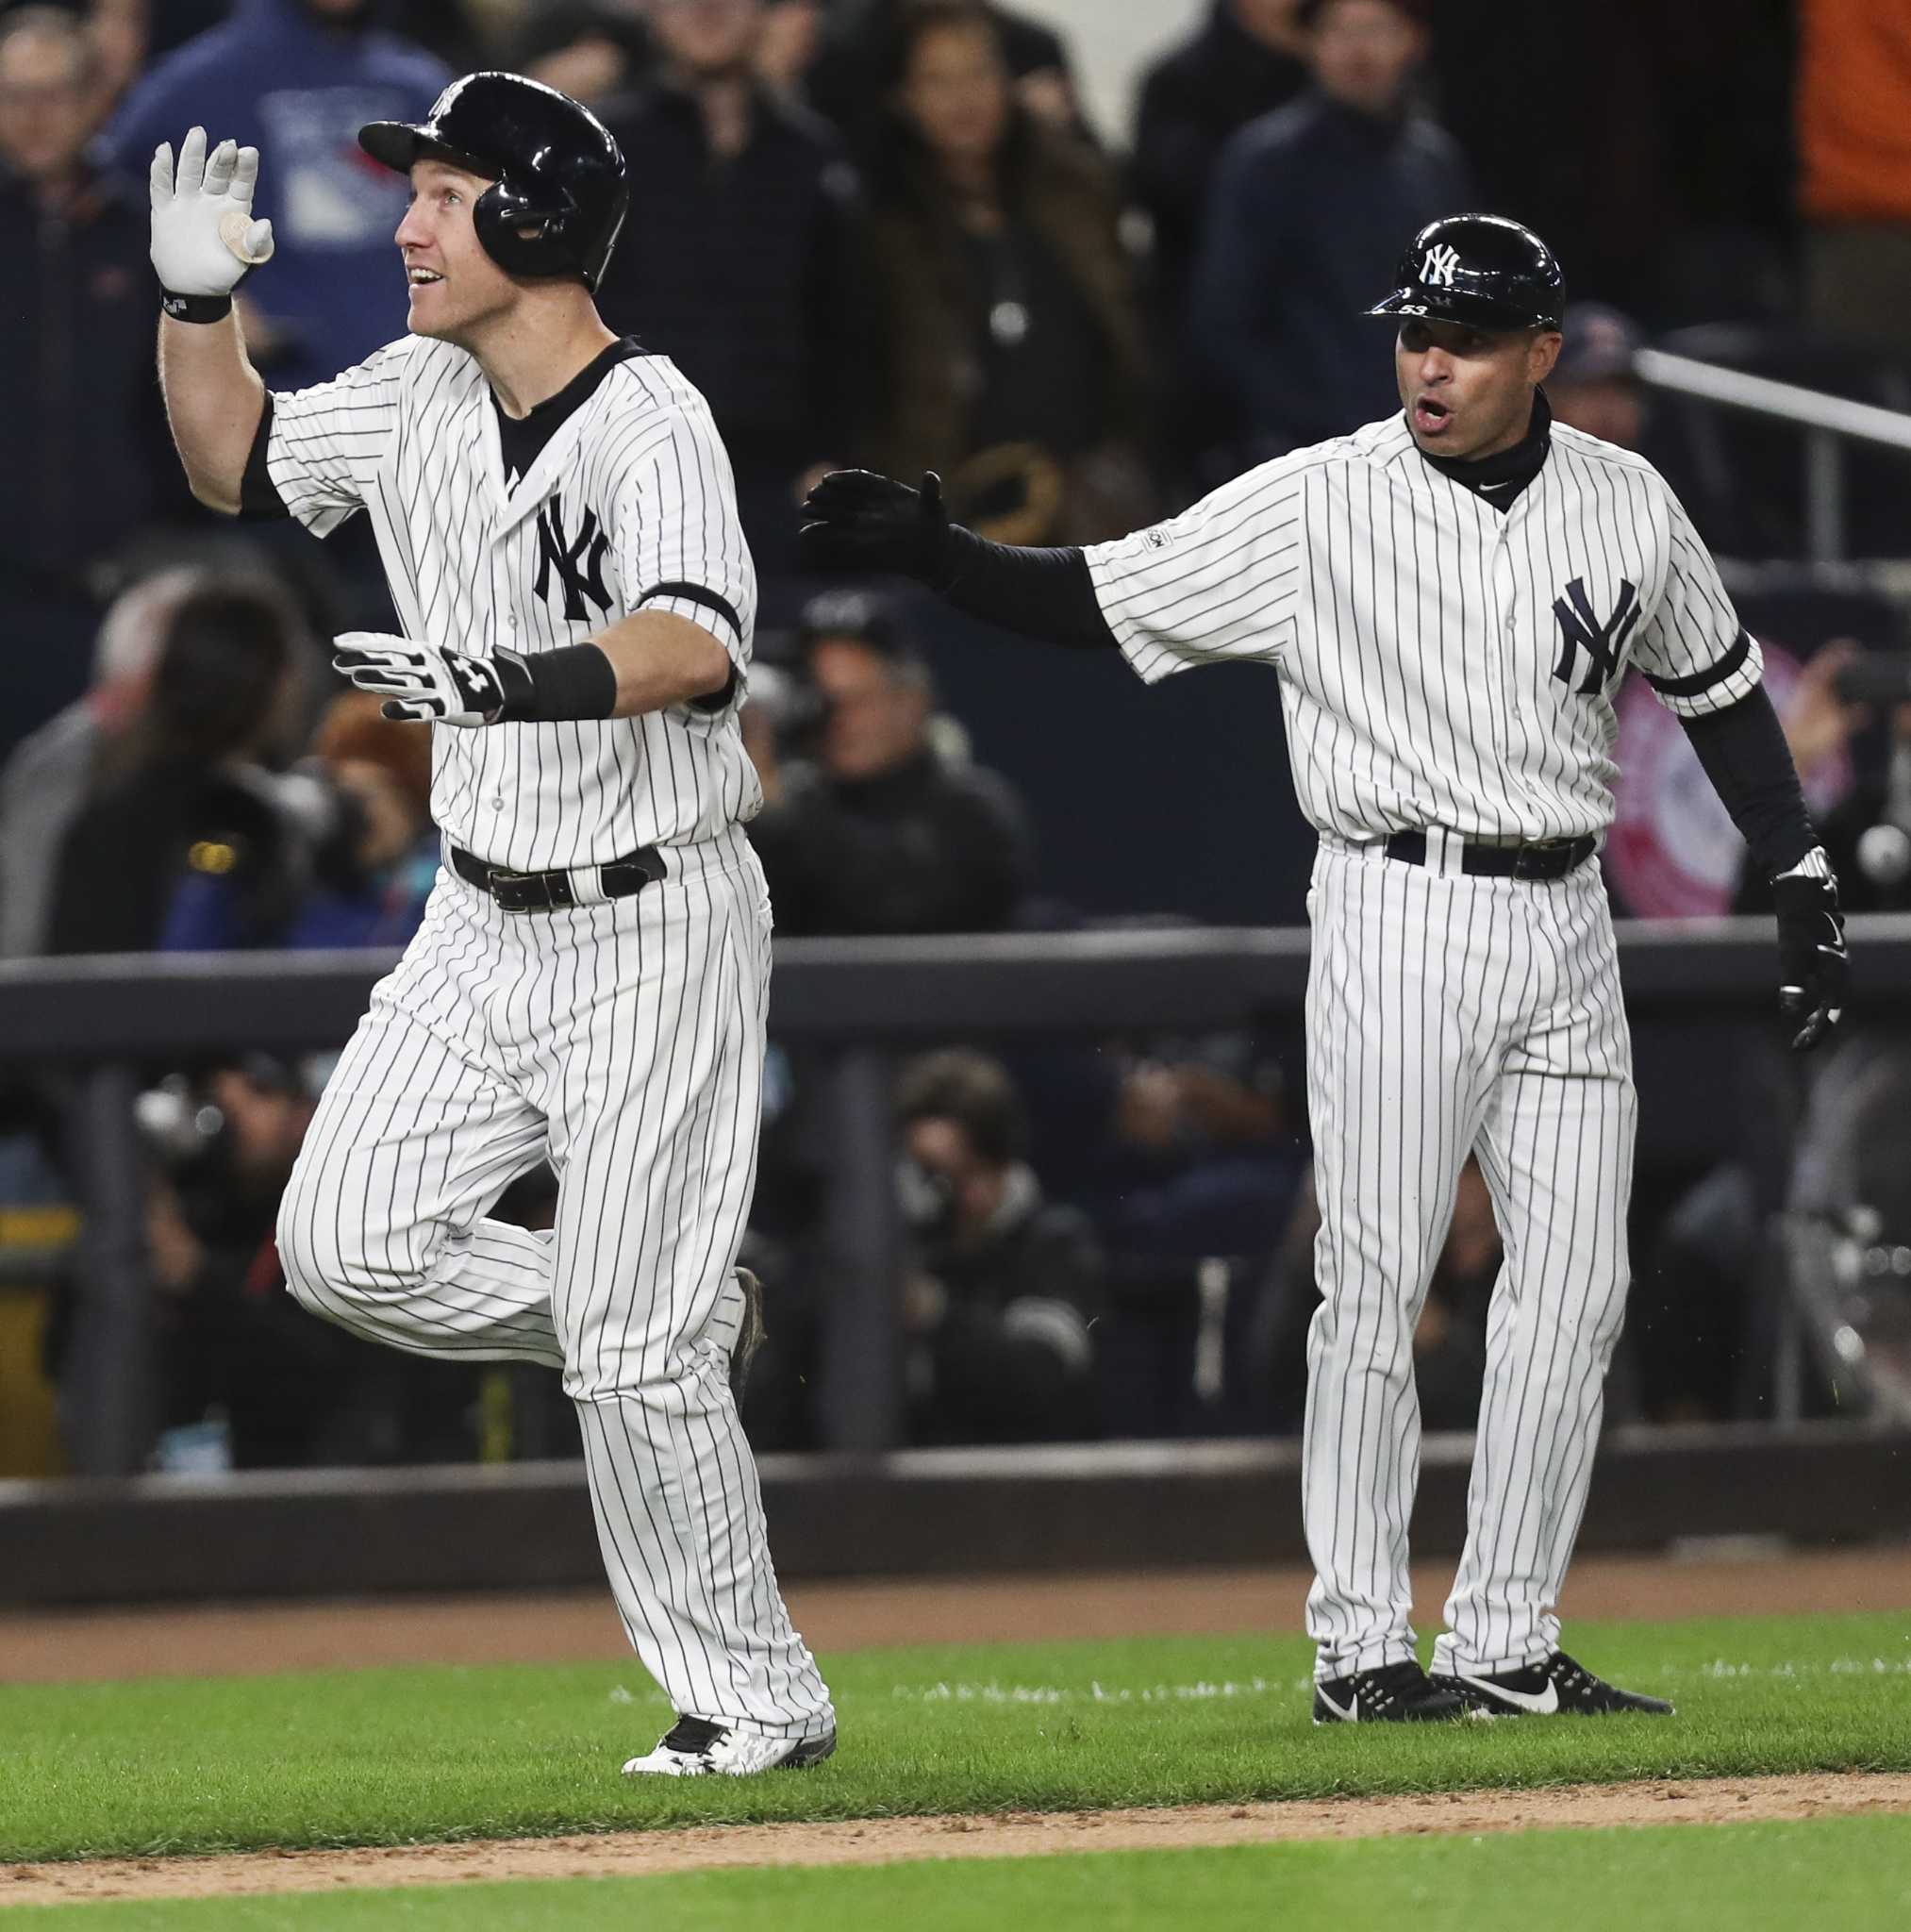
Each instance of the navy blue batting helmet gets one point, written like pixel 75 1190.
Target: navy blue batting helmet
pixel 558 190
pixel 1486 270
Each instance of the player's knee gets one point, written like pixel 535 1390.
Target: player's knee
pixel 326 1256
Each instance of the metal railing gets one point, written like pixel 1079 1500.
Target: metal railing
pixel 855 1004
pixel 1828 420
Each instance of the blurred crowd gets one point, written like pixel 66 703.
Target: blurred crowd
pixel 883 232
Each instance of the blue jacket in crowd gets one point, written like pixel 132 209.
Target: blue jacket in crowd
pixel 1310 211
pixel 299 90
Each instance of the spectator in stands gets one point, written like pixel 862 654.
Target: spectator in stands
pixel 851 73
pixel 52 775
pixel 120 31
pixel 999 1306
pixel 344 856
pixel 1008 309
pixel 1196 1172
pixel 83 466
pixel 1854 177
pixel 298 80
pixel 1310 209
pixel 1593 386
pixel 190 778
pixel 593 50
pixel 1867 834
pixel 738 259
pixel 236 1354
pixel 878 829
pixel 1244 61
pixel 789 46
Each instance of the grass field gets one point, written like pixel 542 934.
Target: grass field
pixel 1850 1873
pixel 398 1757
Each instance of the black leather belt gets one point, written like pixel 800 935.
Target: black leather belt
pixel 554 892
pixel 1550 860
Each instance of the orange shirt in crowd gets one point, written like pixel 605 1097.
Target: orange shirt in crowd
pixel 1855 111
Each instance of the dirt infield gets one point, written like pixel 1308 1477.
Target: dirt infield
pixel 578 1626
pixel 879 1841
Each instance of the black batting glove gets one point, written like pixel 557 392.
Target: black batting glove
pixel 855 520
pixel 1815 971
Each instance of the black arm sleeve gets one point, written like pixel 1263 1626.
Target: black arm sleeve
pixel 258 497
pixel 1744 753
pixel 1039 593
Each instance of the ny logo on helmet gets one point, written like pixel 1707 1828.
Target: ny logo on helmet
pixel 1582 632
pixel 1439 265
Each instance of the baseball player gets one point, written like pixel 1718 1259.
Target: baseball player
pixel 1450 598
pixel 559 527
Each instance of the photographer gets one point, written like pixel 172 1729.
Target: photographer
pixel 869 825
pixel 1842 692
pixel 998 1314
pixel 239 1362
pixel 342 852
pixel 188 776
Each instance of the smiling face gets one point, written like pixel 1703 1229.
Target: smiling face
pixel 456 289
pixel 1467 392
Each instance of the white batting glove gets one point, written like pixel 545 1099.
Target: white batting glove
pixel 423 680
pixel 205 241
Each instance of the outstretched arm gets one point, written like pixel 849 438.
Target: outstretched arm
pixel 648 661
pixel 856 521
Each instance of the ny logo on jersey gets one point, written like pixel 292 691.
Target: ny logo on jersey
pixel 1438 266
pixel 578 563
pixel 1583 631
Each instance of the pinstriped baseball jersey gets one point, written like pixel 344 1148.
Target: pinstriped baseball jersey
pixel 630 507
pixel 1441 662
pixel 1446 666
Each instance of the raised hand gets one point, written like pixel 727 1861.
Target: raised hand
pixel 205 239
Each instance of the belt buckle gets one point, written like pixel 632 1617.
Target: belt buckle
pixel 530 891
pixel 1534 858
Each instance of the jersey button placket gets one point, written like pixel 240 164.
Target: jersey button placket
pixel 1505 628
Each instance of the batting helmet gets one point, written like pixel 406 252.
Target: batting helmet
pixel 1484 271
pixel 558 190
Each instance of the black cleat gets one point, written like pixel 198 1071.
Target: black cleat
pixel 1558 1685
pixel 1394 1694
pixel 750 1333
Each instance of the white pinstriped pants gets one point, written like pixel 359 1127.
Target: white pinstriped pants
pixel 1448 1015
pixel 626 1042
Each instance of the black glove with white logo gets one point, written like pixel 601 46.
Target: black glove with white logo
pixel 427 681
pixel 1815 971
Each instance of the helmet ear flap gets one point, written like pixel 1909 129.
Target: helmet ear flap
pixel 504 211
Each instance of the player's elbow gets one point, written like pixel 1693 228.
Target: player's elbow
pixel 708 671
pixel 216 492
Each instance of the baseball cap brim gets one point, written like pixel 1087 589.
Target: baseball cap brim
pixel 1458 306
pixel 399 145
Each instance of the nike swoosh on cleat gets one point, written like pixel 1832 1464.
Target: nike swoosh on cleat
pixel 1540 1703
pixel 1347 1716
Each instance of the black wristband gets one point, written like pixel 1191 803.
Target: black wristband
pixel 577 682
pixel 195 308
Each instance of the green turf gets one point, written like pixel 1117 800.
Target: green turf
pixel 389 1757
pixel 1848 1874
